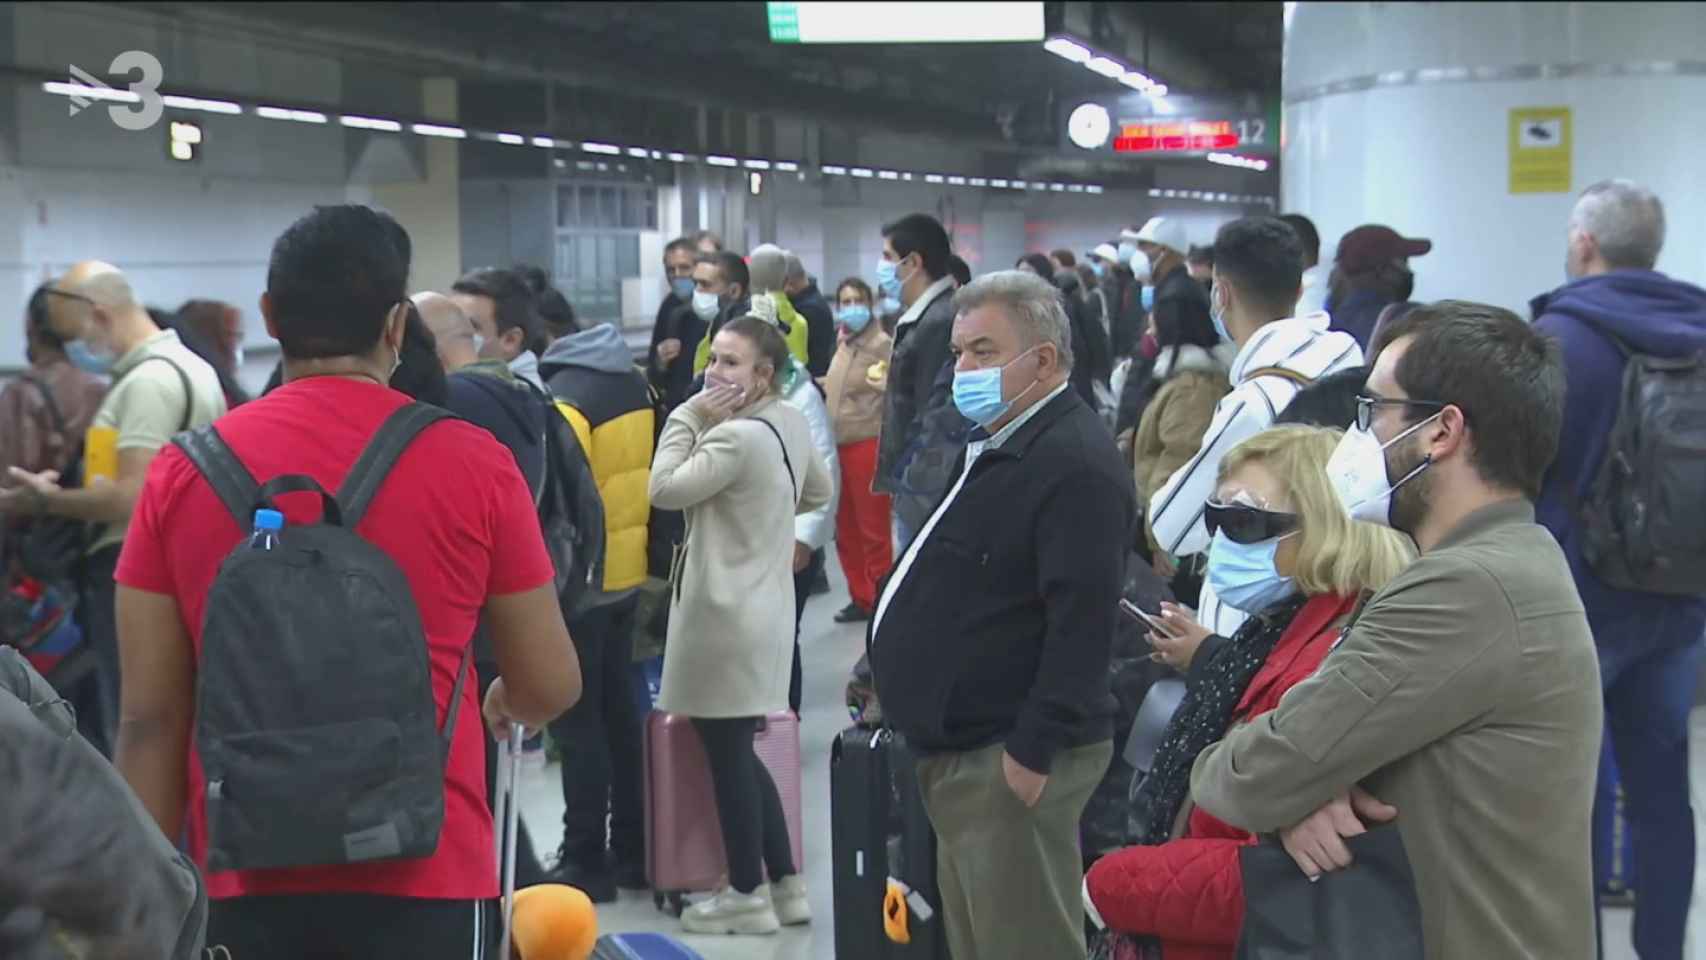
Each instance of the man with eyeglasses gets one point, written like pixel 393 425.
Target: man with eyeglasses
pixel 159 388
pixel 1462 702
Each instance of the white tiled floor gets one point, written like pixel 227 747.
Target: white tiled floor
pixel 829 650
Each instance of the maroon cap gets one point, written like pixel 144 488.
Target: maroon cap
pixel 1370 245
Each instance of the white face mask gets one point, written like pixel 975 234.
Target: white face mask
pixel 706 305
pixel 1357 471
pixel 479 342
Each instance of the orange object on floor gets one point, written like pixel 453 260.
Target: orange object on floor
pixel 553 922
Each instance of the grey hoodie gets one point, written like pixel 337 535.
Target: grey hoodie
pixel 598 348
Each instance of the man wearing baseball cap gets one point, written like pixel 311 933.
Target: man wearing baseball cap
pixel 1371 270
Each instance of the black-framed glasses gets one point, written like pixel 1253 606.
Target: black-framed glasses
pixel 54 291
pixel 1243 523
pixel 1366 405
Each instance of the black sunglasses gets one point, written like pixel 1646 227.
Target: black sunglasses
pixel 1366 405
pixel 1243 523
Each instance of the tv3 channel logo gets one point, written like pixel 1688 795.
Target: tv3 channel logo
pixel 136 108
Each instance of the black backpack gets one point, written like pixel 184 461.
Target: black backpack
pixel 1642 526
pixel 571 510
pixel 315 718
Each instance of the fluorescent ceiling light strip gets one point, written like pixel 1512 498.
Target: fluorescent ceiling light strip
pixel 1075 188
pixel 832 170
pixel 197 103
pixel 283 113
pixel 370 123
pixel 437 130
pixel 1057 187
pixel 1067 49
pixel 998 183
pixel 1157 92
pixel 979 181
pixel 934 178
pixel 1092 188
pixel 956 181
pixel 1106 66
pixel 863 173
pixel 546 142
pixel 758 164
pixel 86 92
pixel 720 161
pixel 607 149
pixel 1136 80
pixel 513 139
pixel 1019 184
pixel 888 175
pixel 639 152
pixel 786 166
pixel 905 175
pixel 677 158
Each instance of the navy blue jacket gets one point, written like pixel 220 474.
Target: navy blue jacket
pixel 1654 315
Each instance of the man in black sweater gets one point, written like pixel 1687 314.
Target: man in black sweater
pixel 803 293
pixel 990 642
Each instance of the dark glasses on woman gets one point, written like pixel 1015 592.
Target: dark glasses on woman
pixel 1243 523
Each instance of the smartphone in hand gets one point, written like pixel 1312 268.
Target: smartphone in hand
pixel 1135 612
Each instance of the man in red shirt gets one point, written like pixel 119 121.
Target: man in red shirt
pixel 456 517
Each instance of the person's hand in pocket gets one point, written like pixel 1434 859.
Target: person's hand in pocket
pixel 1026 784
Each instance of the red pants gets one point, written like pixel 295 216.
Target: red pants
pixel 862 536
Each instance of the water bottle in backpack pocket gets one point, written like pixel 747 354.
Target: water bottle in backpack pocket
pixel 315 717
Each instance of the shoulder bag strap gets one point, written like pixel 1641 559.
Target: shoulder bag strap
pixel 793 484
pixel 183 378
pixel 47 399
pixel 1284 373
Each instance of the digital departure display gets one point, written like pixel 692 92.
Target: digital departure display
pixel 1182 137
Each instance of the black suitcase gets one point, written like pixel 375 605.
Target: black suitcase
pixel 879 829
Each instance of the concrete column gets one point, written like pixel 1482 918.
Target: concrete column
pixel 1400 113
pixel 428 208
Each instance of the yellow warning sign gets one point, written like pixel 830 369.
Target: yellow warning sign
pixel 1540 148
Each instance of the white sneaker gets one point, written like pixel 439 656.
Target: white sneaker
pixel 731 912
pixel 789 896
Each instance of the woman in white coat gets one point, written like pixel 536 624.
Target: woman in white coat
pixel 739 461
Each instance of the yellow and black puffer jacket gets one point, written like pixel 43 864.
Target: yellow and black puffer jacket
pixel 605 396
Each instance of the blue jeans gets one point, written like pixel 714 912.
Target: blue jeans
pixel 1649 680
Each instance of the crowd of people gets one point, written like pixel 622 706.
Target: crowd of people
pixel 1429 572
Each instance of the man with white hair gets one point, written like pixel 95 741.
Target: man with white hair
pixel 159 388
pixel 1615 307
pixel 989 646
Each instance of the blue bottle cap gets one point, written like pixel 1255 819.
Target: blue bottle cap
pixel 269 520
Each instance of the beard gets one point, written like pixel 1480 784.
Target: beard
pixel 1411 498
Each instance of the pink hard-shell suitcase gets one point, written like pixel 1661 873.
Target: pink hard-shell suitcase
pixel 684 843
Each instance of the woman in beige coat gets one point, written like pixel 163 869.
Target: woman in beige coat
pixel 740 462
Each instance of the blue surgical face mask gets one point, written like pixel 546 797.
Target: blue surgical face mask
pixel 888 278
pixel 855 318
pixel 1243 574
pixel 890 306
pixel 1217 316
pixel 682 287
pixel 1148 298
pixel 1097 268
pixel 88 358
pixel 1127 251
pixel 977 393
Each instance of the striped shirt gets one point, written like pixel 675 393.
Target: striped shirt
pixel 1301 344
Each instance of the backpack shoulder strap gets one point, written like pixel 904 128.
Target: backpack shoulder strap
pixel 48 401
pixel 1284 373
pixel 232 481
pixel 793 484
pixel 393 437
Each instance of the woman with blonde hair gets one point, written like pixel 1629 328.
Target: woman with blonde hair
pixel 739 460
pixel 1284 552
